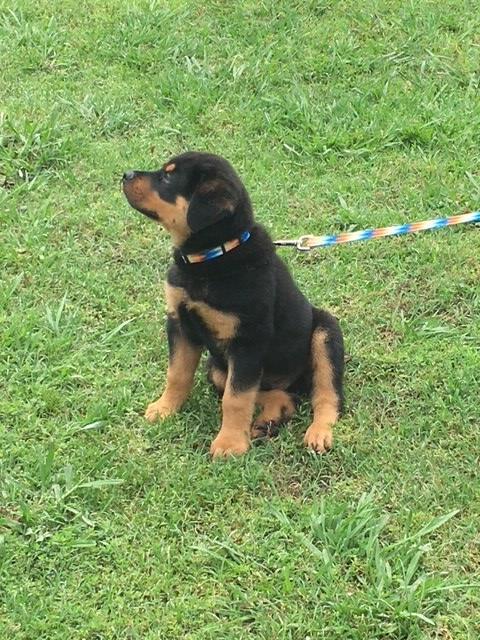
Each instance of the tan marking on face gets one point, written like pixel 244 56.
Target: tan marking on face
pixel 237 409
pixel 171 215
pixel 223 326
pixel 325 401
pixel 182 365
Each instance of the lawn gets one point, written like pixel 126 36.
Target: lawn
pixel 338 116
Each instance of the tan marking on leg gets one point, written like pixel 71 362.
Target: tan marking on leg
pixel 174 296
pixel 180 375
pixel 325 401
pixel 218 378
pixel 223 326
pixel 277 407
pixel 234 435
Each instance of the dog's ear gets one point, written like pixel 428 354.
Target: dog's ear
pixel 211 201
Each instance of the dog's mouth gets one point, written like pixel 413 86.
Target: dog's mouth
pixel 143 196
pixel 146 212
pixel 137 196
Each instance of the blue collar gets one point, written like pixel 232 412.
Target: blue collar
pixel 215 252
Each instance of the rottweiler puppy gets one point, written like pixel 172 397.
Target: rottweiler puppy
pixel 228 292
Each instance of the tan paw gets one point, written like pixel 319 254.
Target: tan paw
pixel 277 406
pixel 277 409
pixel 320 439
pixel 226 444
pixel 158 411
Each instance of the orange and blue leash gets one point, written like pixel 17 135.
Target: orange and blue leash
pixel 306 243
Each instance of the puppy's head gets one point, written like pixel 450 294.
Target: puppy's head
pixel 190 193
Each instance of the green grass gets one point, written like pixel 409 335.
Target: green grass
pixel 338 115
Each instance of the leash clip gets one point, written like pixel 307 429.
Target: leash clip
pixel 302 243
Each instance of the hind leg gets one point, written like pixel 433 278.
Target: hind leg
pixel 277 406
pixel 216 376
pixel 327 356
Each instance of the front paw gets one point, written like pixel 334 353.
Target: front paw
pixel 319 438
pixel 159 410
pixel 230 444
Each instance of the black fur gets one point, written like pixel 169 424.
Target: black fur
pixel 273 342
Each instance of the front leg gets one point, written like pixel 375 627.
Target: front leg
pixel 238 402
pixel 182 364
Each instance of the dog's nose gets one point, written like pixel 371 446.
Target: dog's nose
pixel 128 175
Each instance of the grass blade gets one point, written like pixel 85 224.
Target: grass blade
pixel 106 338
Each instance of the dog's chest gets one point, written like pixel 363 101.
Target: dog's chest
pixel 222 325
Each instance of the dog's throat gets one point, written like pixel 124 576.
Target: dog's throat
pixel 215 252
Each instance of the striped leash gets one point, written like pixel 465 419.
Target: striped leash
pixel 306 243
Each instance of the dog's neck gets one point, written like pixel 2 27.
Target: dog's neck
pixel 255 251
pixel 213 253
pixel 228 228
